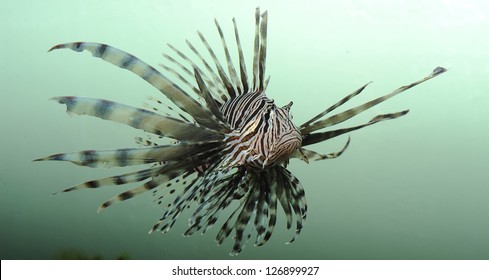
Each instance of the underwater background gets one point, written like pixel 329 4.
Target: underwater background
pixel 412 188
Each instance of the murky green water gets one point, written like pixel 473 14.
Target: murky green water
pixel 412 188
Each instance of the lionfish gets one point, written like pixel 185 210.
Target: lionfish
pixel 229 151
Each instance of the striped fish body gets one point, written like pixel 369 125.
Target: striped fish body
pixel 262 134
pixel 230 142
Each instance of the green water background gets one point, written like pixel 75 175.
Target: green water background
pixel 412 188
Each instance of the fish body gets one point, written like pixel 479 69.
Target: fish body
pixel 231 143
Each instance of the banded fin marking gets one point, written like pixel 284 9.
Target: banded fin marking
pixel 137 118
pixel 242 65
pixel 322 136
pixel 122 179
pixel 334 106
pixel 308 155
pixel 263 51
pixel 151 75
pixel 130 156
pixel 231 70
pixel 150 185
pixel 220 70
pixel 216 80
pixel 345 115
